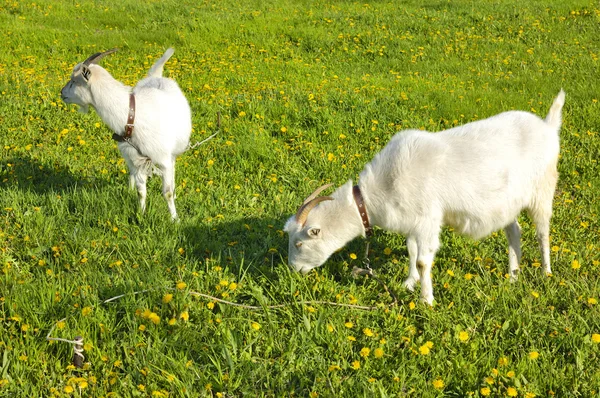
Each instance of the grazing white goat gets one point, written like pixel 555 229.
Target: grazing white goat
pixel 151 121
pixel 475 178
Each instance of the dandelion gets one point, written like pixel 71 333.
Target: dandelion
pixel 463 336
pixel 172 321
pixel 411 305
pixel 255 326
pixel 489 380
pixel 485 391
pixel 438 384
pixel 167 298
pixel 387 251
pixel 575 264
pixel 313 394
pixel 450 272
pixel 426 348
pixel 181 285
pixel 349 325
pixel 596 338
pixel 355 365
pixel 85 311
pixel 592 301
pixel 378 353
pixel 154 318
pixel 68 389
pixel 242 114
pixel 210 305
pixel 510 374
pixel 353 256
pixel 334 367
pixel 330 328
pixel 364 352
pixel 368 332
pixel 511 392
pixel 535 294
pixel 185 316
pixel 503 361
pixel 533 355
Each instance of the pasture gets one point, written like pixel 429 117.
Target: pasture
pixel 307 92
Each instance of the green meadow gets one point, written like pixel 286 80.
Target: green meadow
pixel 300 93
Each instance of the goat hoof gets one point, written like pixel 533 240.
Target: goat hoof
pixel 410 284
pixel 428 300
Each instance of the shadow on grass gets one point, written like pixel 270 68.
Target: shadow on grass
pixel 255 243
pixel 38 177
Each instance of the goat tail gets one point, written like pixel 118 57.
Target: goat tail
pixel 554 117
pixel 157 68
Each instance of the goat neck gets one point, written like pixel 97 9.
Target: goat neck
pixel 110 99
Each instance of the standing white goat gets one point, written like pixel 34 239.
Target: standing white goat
pixel 475 178
pixel 152 122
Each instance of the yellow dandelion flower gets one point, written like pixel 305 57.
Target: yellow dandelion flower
pixel 154 318
pixel 426 348
pixel 489 380
pixel 313 394
pixel 575 264
pixel 485 391
pixel 353 256
pixel 255 326
pixel 210 305
pixel 181 285
pixel 463 336
pixel 438 384
pixel 503 361
pixel 232 286
pixel 535 294
pixel 529 395
pixel 167 298
pixel 450 272
pixel 242 114
pixel 349 325
pixel 330 328
pixel 85 311
pixel 412 305
pixel 68 389
pixel 364 352
pixel 510 373
pixel 596 338
pixel 355 365
pixel 378 353
pixel 172 321
pixel 185 316
pixel 592 301
pixel 511 392
pixel 368 332
pixel 533 355
pixel 334 367
pixel 387 251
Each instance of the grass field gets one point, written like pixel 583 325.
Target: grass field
pixel 308 92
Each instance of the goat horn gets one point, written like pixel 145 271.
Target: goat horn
pixel 316 193
pixel 98 56
pixel 303 211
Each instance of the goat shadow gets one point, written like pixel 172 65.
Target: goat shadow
pixel 28 174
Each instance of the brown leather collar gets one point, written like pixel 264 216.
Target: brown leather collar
pixel 362 210
pixel 130 119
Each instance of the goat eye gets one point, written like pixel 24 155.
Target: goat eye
pixel 298 244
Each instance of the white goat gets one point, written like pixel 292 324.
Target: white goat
pixel 475 178
pixel 157 133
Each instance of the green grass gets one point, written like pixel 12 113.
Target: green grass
pixel 308 91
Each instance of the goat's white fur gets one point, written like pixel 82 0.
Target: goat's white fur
pixel 162 120
pixel 475 178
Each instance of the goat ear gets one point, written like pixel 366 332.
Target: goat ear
pixel 314 232
pixel 86 73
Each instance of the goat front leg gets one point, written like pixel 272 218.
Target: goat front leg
pixel 140 177
pixel 413 273
pixel 427 246
pixel 513 235
pixel 168 186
